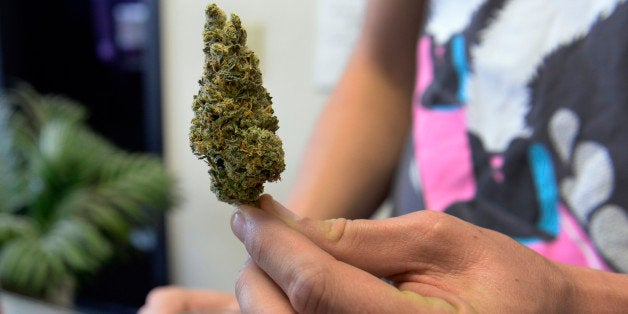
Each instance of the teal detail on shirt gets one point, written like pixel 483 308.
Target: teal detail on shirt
pixel 546 188
pixel 459 60
pixel 446 107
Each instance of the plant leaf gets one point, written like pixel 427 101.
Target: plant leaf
pixel 12 226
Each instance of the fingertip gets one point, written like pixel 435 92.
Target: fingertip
pixel 266 201
pixel 270 205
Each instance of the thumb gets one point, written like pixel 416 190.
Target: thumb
pixel 383 247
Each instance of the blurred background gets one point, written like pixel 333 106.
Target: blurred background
pixel 135 64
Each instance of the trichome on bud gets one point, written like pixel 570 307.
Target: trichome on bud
pixel 234 125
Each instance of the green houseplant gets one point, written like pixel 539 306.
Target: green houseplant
pixel 68 197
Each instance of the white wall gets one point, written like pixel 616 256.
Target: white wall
pixel 203 252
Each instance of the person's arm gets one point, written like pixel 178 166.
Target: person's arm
pixel 175 300
pixel 355 148
pixel 595 290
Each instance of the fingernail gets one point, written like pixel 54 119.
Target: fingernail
pixel 237 224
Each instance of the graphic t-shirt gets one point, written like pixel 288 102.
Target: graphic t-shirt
pixel 521 123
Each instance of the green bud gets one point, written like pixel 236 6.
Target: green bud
pixel 234 125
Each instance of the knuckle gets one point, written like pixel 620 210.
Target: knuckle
pixel 308 290
pixel 435 224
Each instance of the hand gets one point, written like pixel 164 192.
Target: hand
pixel 435 262
pixel 171 300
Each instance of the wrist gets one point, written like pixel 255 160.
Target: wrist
pixel 594 291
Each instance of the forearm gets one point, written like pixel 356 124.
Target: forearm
pixel 354 151
pixel 595 291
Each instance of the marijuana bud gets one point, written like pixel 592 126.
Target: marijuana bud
pixel 234 125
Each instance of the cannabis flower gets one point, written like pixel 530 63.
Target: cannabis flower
pixel 234 126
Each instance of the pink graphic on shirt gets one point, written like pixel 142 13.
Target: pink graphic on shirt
pixel 497 162
pixel 441 144
pixel 571 246
pixel 439 51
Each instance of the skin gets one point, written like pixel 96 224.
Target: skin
pixel 432 262
pixel 436 262
pixel 170 300
pixel 366 120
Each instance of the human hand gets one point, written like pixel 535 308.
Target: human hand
pixel 436 262
pixel 176 300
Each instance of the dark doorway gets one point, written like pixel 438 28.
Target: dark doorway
pixel 105 55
